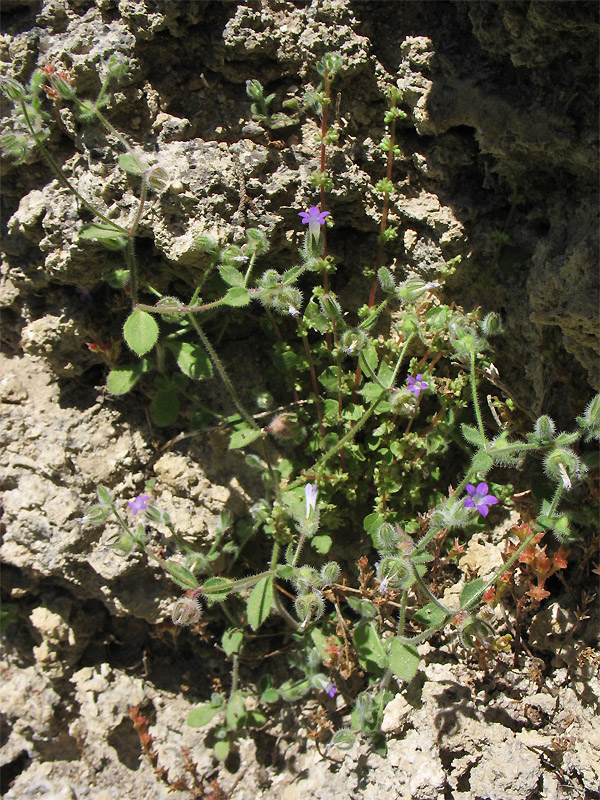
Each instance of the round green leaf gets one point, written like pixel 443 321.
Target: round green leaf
pixel 236 714
pixel 122 379
pixel 202 715
pixel 237 296
pixel 140 331
pixel 321 543
pixel 404 660
pixel 165 407
pixel 232 641
pixel 221 750
pixel 191 359
pixel 215 590
pixel 243 437
pixel 482 462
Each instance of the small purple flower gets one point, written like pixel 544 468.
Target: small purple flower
pixel 417 385
pixel 314 219
pixel 331 689
pixel 139 504
pixel 479 498
pixel 310 492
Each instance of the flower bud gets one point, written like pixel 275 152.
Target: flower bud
pixel 284 426
pixel 344 739
pixel 97 514
pixel 187 610
pixel 564 465
pixel 12 88
pixel 545 429
pixel 474 630
pixel 62 87
pixel 157 178
pixel 197 562
pixel 257 241
pixel 490 325
pixel 123 545
pixel 386 538
pixel 413 288
pixel 590 421
pixel 264 401
pixel 331 308
pixel 394 572
pixel 309 606
pixel 330 572
pixel 306 578
pixel 353 342
pixel 386 281
pixel 450 514
pixel 331 62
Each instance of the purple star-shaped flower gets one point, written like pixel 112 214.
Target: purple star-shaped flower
pixel 331 689
pixel 417 385
pixel 139 504
pixel 314 219
pixel 479 498
pixel 310 492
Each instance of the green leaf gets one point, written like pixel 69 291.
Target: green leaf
pixel 363 607
pixel 221 750
pixel 284 571
pixel 344 739
pixel 369 646
pixel 165 407
pixel 97 513
pixel 256 719
pixel 430 615
pixel 215 590
pixel 104 495
pixel 131 165
pixel 322 642
pixel 369 355
pixel 201 715
pixel 236 714
pixel 259 602
pixel 140 331
pixel 231 640
pixel 122 379
pixel 372 523
pixel 404 660
pixel 472 435
pixel 243 437
pixel 370 391
pixel 8 615
pixel 110 237
pixel 237 296
pixel 321 543
pixel 117 277
pixel 470 590
pixel 182 575
pixel 379 744
pixel 482 462
pixel 294 691
pixel 231 276
pixel 385 373
pixel 329 379
pixel 314 318
pixel 270 695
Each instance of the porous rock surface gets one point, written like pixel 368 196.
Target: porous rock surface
pixel 495 92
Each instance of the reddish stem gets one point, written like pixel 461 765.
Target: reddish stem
pixel 384 216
